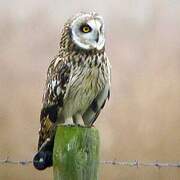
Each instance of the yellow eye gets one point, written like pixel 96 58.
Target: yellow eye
pixel 85 28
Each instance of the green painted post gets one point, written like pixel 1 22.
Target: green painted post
pixel 76 153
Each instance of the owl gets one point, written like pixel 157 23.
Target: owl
pixel 78 82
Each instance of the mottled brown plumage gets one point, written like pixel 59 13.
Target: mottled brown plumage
pixel 78 78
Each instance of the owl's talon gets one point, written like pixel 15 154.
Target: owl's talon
pixel 69 125
pixel 68 122
pixel 79 120
pixel 81 125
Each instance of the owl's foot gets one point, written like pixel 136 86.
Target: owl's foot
pixel 68 122
pixel 80 124
pixel 79 120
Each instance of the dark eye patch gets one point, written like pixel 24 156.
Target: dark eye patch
pixel 85 28
pixel 101 28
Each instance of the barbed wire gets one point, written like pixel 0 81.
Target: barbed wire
pixel 137 163
pixel 130 163
pixel 17 162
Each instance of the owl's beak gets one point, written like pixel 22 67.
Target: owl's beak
pixel 99 41
pixel 97 38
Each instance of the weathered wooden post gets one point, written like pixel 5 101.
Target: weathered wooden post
pixel 76 153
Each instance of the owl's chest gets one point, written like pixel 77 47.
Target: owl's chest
pixel 85 84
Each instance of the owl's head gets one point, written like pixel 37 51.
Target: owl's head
pixel 87 31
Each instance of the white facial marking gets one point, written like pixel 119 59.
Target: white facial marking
pixel 93 39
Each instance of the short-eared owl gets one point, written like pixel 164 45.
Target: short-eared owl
pixel 78 81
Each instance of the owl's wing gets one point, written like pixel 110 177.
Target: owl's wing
pixel 98 103
pixel 55 89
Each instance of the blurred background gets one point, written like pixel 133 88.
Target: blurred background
pixel 141 120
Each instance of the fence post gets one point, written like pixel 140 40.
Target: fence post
pixel 76 153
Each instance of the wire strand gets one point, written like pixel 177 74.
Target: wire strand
pixel 130 163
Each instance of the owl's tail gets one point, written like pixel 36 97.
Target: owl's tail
pixel 43 158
